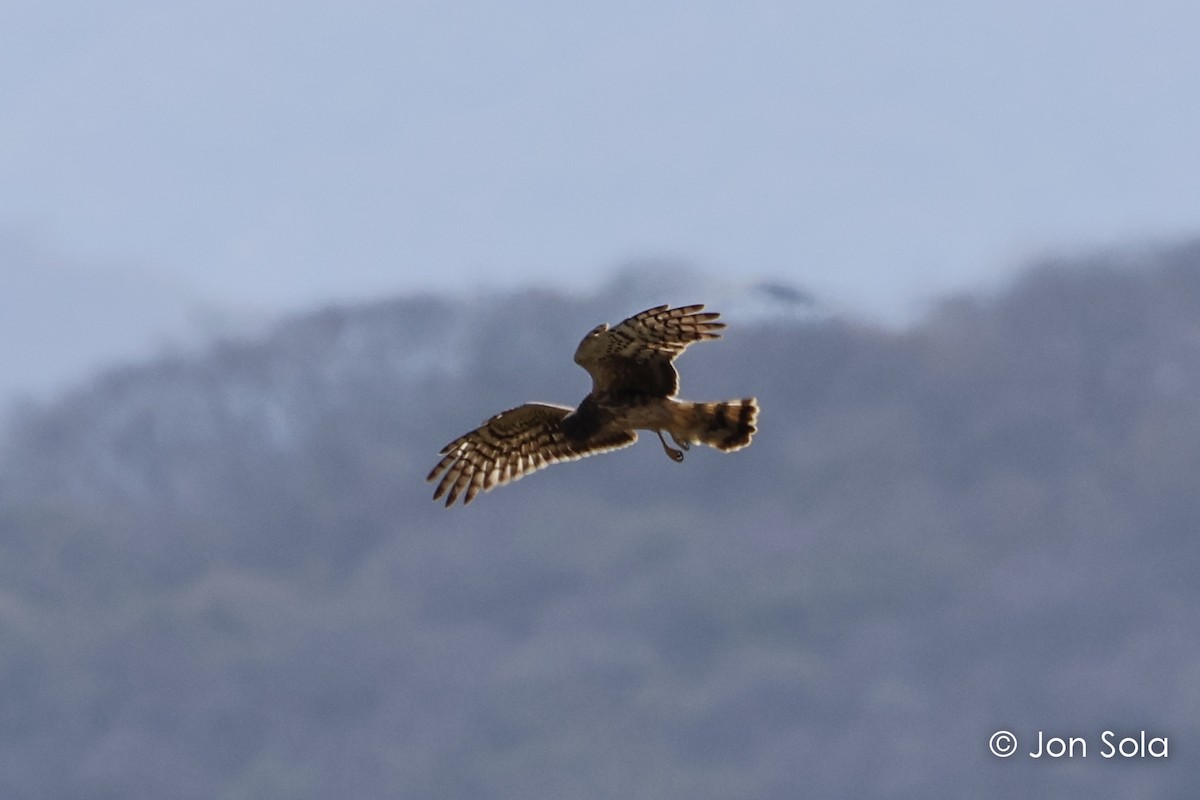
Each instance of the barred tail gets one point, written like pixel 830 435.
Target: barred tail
pixel 725 426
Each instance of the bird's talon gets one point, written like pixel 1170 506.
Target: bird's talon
pixel 671 452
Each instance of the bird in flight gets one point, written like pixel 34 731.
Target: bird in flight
pixel 634 386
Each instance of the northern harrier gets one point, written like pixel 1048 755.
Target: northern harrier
pixel 633 386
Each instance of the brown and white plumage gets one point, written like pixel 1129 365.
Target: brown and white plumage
pixel 637 354
pixel 634 383
pixel 511 445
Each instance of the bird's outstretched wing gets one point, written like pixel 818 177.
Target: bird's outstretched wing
pixel 636 355
pixel 511 445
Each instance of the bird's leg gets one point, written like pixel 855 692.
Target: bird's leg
pixel 674 454
pixel 682 445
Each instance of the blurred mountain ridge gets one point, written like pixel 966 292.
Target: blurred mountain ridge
pixel 221 573
pixel 60 318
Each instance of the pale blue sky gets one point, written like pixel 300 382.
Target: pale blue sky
pixel 277 154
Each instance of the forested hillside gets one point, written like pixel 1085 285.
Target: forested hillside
pixel 222 575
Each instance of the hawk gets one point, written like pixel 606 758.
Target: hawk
pixel 634 385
